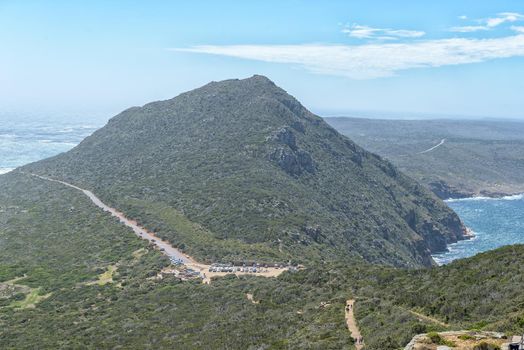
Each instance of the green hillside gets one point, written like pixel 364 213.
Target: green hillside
pixel 483 293
pixel 56 247
pixel 240 170
pixel 478 157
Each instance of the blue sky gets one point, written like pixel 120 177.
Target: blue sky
pixel 96 58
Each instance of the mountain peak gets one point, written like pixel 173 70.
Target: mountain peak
pixel 262 176
pixel 260 78
pixel 253 83
pixel 255 78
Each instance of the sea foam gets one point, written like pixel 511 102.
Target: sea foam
pixel 513 197
pixel 496 222
pixel 5 170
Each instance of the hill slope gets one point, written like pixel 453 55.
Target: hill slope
pixel 476 157
pixel 56 246
pixel 239 169
pixel 483 292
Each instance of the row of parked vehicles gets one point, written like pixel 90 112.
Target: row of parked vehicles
pixel 255 268
pixel 176 261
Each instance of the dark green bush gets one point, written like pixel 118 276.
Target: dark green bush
pixel 486 346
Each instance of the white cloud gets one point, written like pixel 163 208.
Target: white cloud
pixel 463 17
pixel 518 29
pixel 366 32
pixel 489 23
pixel 373 60
pixel 468 29
pixel 504 17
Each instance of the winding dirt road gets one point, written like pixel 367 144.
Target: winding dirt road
pixel 164 246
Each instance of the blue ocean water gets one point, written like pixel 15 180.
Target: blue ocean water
pixel 495 222
pixel 23 141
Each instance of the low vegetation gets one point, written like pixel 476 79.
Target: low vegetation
pixel 477 157
pixel 247 175
pixel 486 346
pixel 240 170
pixel 56 242
pixel 60 242
pixel 30 300
pixel 106 276
pixel 437 339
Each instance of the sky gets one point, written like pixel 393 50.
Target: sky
pixel 92 59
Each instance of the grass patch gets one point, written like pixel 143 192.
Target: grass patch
pixel 137 254
pixel 466 337
pixel 105 277
pixel 31 299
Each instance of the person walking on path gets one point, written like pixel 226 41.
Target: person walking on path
pixel 352 325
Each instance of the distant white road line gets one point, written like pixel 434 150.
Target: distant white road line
pixel 432 148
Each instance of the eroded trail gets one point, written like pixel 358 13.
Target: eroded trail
pixel 428 318
pixel 164 246
pixel 352 324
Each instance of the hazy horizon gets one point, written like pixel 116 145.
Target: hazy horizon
pixel 100 118
pixel 94 60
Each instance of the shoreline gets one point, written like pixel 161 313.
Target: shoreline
pixel 514 196
pixel 469 235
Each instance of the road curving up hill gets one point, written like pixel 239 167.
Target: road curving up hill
pixel 165 247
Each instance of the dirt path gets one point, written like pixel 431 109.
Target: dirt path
pixel 164 246
pixel 428 318
pixel 352 324
pixel 434 147
pixel 424 317
pixel 266 272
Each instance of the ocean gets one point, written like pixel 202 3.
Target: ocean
pixel 23 141
pixel 495 223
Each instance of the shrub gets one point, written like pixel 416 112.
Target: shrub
pixel 18 296
pixel 435 338
pixel 486 346
pixel 419 328
pixel 466 337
